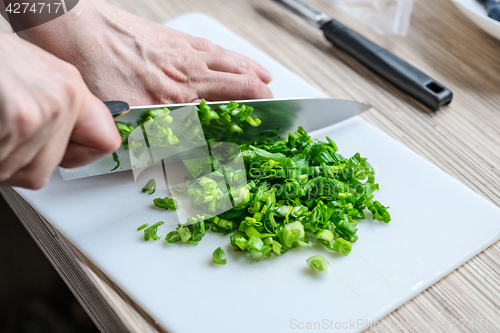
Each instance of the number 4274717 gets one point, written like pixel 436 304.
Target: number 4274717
pixel 35 8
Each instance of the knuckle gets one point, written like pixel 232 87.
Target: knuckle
pixel 205 45
pixel 70 81
pixel 27 122
pixel 218 49
pixel 72 71
pixel 243 66
pixel 254 87
pixel 186 94
pixel 50 102
pixel 70 77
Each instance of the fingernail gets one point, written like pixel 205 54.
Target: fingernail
pixel 265 75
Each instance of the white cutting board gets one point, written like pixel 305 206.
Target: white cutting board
pixel 437 224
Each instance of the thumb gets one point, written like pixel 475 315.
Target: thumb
pixel 94 134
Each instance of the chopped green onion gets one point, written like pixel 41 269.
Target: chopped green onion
pixel 319 263
pixel 277 248
pixel 298 191
pixel 325 235
pixel 184 234
pixel 150 187
pixel 150 232
pixel 219 256
pixel 144 226
pixel 172 237
pixel 124 129
pixel 116 160
pixel 165 203
pixel 341 246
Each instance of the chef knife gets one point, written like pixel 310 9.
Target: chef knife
pixel 283 115
pixel 401 74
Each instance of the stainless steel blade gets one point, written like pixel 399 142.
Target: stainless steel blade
pixel 285 115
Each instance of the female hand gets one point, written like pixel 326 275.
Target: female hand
pixel 124 57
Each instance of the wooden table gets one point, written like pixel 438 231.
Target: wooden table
pixel 463 139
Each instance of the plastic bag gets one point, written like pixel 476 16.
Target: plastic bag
pixel 391 17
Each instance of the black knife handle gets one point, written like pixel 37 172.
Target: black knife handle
pixel 404 76
pixel 493 9
pixel 117 108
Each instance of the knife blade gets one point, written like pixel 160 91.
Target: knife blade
pixel 401 74
pixel 283 115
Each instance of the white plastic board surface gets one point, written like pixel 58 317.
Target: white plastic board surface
pixel 437 224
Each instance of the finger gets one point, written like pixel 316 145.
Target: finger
pixel 221 59
pixel 201 44
pixel 21 181
pixel 94 134
pixel 22 150
pixel 29 179
pixel 25 125
pixel 36 174
pixel 225 86
pixel 227 63
pixel 21 156
pixel 77 155
pixel 260 70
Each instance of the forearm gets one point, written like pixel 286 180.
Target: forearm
pixel 65 30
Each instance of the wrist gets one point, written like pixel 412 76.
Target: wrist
pixel 66 29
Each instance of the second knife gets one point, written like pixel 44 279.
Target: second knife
pixel 401 74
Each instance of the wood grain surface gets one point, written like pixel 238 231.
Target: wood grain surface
pixel 463 139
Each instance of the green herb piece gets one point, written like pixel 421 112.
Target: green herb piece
pixel 341 246
pixel 150 187
pixel 277 248
pixel 116 160
pixel 318 263
pixel 150 232
pixel 165 203
pixel 184 234
pixel 325 235
pixel 172 237
pixel 219 256
pixel 124 129
pixel 144 226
